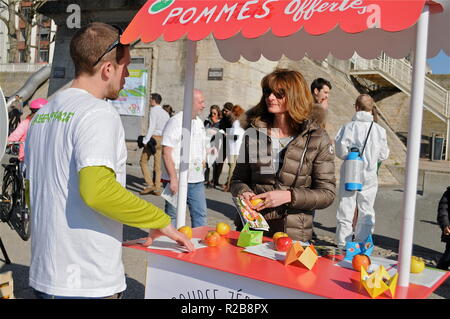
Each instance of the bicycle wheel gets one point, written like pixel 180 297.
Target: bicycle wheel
pixel 20 220
pixel 6 199
pixel 20 216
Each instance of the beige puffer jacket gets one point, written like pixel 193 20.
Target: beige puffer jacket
pixel 312 185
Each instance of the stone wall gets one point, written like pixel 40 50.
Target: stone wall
pixel 396 110
pixel 10 82
pixel 441 79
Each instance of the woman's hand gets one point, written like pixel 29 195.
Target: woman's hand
pixel 447 230
pixel 272 199
pixel 247 196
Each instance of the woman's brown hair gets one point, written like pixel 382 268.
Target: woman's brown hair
pixel 292 85
pixel 237 111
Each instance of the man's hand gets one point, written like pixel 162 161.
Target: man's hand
pixel 168 231
pixel 324 103
pixel 173 185
pixel 272 199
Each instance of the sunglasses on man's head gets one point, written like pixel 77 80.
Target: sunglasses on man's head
pixel 268 91
pixel 114 45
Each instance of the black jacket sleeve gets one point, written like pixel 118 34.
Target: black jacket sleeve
pixel 442 217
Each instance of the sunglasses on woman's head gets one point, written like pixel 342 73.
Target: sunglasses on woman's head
pixel 112 46
pixel 268 91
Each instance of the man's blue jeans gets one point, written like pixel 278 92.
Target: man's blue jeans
pixel 196 201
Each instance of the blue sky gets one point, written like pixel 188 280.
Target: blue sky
pixel 440 64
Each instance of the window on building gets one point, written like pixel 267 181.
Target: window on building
pixel 22 36
pixel 45 19
pixel 44 34
pixel 43 56
pixel 26 12
pixel 22 56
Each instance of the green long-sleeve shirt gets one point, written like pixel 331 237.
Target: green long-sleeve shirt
pixel 101 192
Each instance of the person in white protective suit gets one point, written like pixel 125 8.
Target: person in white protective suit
pixel 354 134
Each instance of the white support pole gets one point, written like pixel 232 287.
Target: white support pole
pixel 447 141
pixel 191 48
pixel 413 153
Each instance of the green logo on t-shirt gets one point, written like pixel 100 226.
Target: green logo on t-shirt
pixel 64 117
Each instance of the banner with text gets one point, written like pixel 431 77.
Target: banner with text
pixel 133 96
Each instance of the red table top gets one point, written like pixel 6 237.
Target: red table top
pixel 324 280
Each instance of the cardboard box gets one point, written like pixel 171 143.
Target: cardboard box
pixel 6 285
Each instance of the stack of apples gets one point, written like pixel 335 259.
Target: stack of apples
pixel 281 241
pixel 213 237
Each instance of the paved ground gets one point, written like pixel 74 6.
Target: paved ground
pixel 387 233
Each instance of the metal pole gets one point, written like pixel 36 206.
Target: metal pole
pixel 413 153
pixel 447 142
pixel 191 48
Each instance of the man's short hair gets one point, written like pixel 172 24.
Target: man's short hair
pixel 156 97
pixel 319 83
pixel 89 43
pixel 228 106
pixel 365 102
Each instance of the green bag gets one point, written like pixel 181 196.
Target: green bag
pixel 249 237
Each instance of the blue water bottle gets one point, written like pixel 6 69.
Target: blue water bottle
pixel 353 167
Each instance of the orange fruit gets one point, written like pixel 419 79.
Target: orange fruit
pixel 223 228
pixel 359 261
pixel 186 230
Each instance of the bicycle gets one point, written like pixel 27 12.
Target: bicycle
pixel 13 206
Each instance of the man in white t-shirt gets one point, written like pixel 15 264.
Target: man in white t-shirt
pixel 158 118
pixel 172 135
pixel 76 169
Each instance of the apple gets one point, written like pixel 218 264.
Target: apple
pixel 278 235
pixel 212 238
pixel 283 243
pixel 186 230
pixel 222 228
pixel 417 265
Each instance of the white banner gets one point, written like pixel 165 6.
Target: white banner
pixel 169 278
pixel 133 97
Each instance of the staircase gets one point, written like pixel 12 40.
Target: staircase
pixel 386 71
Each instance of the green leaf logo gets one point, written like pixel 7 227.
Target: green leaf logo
pixel 159 6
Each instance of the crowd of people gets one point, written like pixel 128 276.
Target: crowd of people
pixel 278 151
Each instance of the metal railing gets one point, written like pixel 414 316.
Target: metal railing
pixel 399 72
pixel 21 67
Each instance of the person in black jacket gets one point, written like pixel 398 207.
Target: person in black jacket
pixel 225 124
pixel 444 222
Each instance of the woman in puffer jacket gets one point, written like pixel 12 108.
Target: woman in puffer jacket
pixel 286 159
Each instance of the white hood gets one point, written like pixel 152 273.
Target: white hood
pixel 363 116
